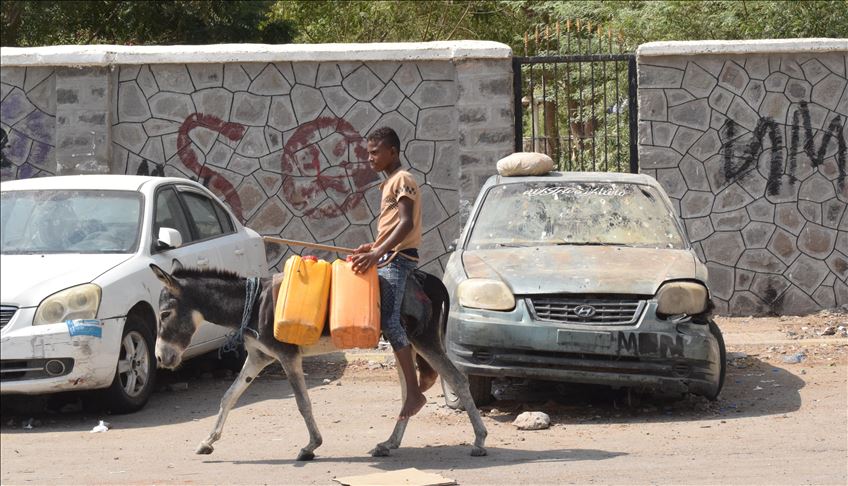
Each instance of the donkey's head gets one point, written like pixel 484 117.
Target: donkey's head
pixel 178 320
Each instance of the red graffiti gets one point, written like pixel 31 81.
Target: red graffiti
pixel 304 177
pixel 209 177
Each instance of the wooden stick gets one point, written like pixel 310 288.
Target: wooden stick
pixel 306 244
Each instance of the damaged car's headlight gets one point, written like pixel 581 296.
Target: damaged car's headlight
pixel 80 302
pixel 484 293
pixel 677 298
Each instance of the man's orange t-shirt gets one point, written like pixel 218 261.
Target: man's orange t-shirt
pixel 398 185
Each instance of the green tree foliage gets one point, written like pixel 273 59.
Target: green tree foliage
pixel 34 23
pixel 665 20
pixel 320 21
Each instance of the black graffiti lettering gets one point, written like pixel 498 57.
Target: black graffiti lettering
pixel 648 344
pixel 4 139
pixel 671 347
pixel 751 153
pixel 627 342
pixel 643 344
pixel 144 169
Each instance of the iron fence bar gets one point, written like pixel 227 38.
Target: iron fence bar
pixel 574 58
pixel 568 97
pixel 532 112
pixel 606 108
pixel 617 116
pixel 518 111
pixel 632 81
pixel 558 151
pixel 593 122
pixel 580 121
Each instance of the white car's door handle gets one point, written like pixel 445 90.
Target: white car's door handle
pixel 239 252
pixel 202 262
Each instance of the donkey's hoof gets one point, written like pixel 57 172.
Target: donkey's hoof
pixel 204 448
pixel 305 455
pixel 380 451
pixel 478 451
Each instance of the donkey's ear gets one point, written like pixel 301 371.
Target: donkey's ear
pixel 166 278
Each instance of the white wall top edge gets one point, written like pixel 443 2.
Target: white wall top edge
pixel 771 46
pixel 104 55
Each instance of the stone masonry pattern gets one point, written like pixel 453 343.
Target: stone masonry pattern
pixel 28 122
pixel 752 150
pixel 283 143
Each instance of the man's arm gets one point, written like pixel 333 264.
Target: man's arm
pixel 363 261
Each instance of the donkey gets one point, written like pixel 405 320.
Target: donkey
pixel 191 296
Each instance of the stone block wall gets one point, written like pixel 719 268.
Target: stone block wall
pixel 278 132
pixel 749 140
pixel 27 121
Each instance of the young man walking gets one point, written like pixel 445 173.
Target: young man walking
pixel 395 251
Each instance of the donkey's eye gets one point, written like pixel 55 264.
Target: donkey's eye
pixel 164 315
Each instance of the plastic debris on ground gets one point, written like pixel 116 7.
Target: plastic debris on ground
pixel 794 358
pixel 101 427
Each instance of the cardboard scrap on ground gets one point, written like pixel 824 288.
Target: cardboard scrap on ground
pixel 405 477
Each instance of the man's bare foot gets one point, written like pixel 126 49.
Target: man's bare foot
pixel 413 405
pixel 426 379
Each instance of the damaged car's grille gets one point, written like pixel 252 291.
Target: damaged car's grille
pixel 6 313
pixel 603 310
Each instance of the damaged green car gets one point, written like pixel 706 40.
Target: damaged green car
pixel 582 278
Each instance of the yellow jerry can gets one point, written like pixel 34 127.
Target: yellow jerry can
pixel 302 302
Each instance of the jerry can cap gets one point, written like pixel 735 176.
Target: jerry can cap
pixel 309 258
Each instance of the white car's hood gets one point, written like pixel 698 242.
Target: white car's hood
pixel 25 280
pixel 581 269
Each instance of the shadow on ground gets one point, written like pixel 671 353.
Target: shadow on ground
pixel 446 458
pixel 752 388
pixel 191 392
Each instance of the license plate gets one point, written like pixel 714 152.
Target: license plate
pixel 584 340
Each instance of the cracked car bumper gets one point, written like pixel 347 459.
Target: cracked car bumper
pixel 674 357
pixel 48 359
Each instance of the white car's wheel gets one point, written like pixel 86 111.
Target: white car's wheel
pixel 136 371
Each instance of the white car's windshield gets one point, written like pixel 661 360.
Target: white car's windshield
pixel 574 213
pixel 65 221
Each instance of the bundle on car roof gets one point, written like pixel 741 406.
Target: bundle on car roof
pixel 525 164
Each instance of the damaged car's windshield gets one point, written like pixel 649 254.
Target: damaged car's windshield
pixel 574 213
pixel 64 221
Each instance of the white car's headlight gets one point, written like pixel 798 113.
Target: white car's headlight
pixel 682 298
pixel 80 302
pixel 484 293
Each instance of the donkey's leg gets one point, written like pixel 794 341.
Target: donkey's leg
pixel 292 362
pixel 256 361
pixel 459 383
pixel 393 442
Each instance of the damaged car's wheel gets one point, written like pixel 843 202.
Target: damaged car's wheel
pixel 716 332
pixel 136 369
pixel 481 389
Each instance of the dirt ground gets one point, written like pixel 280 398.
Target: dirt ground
pixel 782 418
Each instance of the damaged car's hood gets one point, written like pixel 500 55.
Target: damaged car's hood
pixel 27 279
pixel 582 269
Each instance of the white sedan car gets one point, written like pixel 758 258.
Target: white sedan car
pixel 79 302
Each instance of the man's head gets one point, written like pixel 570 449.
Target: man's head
pixel 384 150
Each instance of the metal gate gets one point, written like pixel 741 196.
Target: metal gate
pixel 592 95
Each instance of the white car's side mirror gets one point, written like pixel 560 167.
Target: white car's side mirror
pixel 169 238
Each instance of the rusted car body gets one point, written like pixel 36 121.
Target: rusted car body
pixel 580 277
